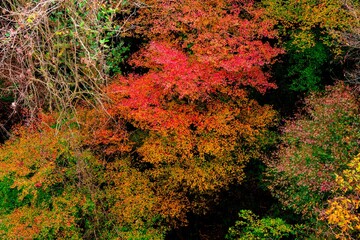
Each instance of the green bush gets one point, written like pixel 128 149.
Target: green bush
pixel 249 226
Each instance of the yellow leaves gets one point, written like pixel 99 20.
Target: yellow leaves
pixel 343 211
pixel 132 193
pixel 191 149
pixel 58 33
pixel 36 157
pixel 330 16
pixel 60 197
pixel 167 149
pixel 304 39
pixel 31 18
pixel 215 145
pixel 341 214
pixel 31 151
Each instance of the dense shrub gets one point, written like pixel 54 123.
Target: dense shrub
pixel 316 145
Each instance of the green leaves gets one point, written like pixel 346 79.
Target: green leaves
pixel 306 67
pixel 312 34
pixel 249 226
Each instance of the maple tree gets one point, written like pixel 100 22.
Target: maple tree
pixel 199 126
pixel 221 34
pixel 33 165
pixel 177 134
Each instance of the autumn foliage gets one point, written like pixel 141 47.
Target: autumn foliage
pixel 342 213
pixel 316 146
pixel 169 139
pixel 221 35
pixel 185 123
pixel 192 102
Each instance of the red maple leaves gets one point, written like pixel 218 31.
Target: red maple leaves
pixel 198 125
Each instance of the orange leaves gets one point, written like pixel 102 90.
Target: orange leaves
pixel 221 35
pixel 105 135
pixel 29 222
pixel 342 213
pixel 173 136
pixel 32 154
pixel 64 191
pixel 137 199
pixel 192 102
pixel 197 147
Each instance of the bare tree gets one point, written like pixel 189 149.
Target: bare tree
pixel 351 40
pixel 52 52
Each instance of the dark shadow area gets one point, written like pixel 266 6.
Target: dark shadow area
pixel 8 118
pixel 251 194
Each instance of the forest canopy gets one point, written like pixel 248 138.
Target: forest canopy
pixel 216 119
